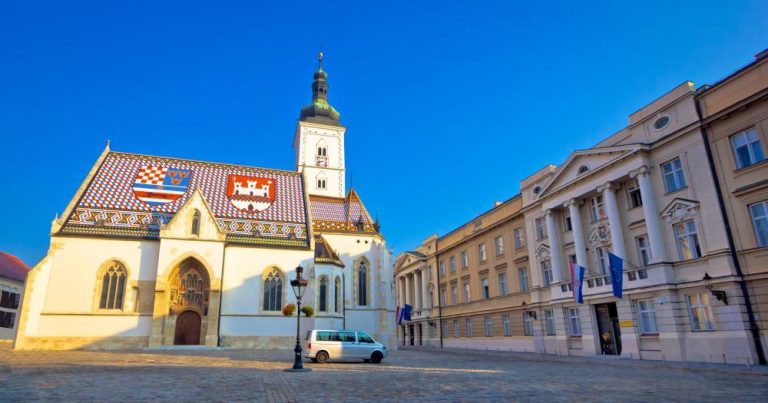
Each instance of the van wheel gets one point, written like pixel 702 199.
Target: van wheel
pixel 321 357
pixel 376 357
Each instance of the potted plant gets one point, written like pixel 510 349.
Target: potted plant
pixel 289 309
pixel 308 311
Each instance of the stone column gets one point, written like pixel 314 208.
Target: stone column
pixel 554 248
pixel 425 302
pixel 401 285
pixel 408 295
pixel 578 232
pixel 651 213
pixel 614 219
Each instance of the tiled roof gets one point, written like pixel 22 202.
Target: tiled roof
pixel 337 214
pixel 12 267
pixel 324 252
pixel 133 195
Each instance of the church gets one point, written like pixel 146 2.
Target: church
pixel 160 251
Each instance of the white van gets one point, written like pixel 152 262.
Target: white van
pixel 343 345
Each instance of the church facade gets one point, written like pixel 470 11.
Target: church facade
pixel 156 251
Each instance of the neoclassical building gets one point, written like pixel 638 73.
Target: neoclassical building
pixel 158 251
pixel 679 195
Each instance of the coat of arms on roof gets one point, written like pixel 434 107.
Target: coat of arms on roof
pixel 156 185
pixel 251 194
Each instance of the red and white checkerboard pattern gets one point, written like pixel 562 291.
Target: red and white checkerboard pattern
pixel 333 209
pixel 151 175
pixel 112 187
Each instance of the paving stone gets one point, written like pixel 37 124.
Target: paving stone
pixel 240 375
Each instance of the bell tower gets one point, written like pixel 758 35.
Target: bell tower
pixel 319 141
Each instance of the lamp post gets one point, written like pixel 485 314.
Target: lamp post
pixel 299 285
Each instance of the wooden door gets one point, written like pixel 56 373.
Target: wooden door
pixel 187 328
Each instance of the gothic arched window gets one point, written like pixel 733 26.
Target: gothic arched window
pixel 273 291
pixel 362 284
pixel 196 223
pixel 323 294
pixel 337 295
pixel 113 287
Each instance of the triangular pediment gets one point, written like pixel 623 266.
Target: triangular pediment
pixel 408 257
pixel 542 252
pixel 680 209
pixel 584 163
pixel 181 225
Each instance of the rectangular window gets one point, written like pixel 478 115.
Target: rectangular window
pixel 486 289
pixel 597 207
pixel 527 324
pixel 674 179
pixel 7 319
pixel 574 321
pixel 445 329
pixel 507 325
pixel 567 225
pixel 549 316
pixel 541 229
pixel 442 296
pixel 499 243
pixel 759 213
pixel 647 315
pixel 452 263
pixel 523 275
pixel 455 328
pixel 464 260
pixel 643 250
pixel 468 324
pixel 502 284
pixel 9 300
pixel 746 148
pixel 546 273
pixel 519 241
pixel 633 194
pixel 700 312
pixel 488 326
pixel 481 252
pixel 454 296
pixel 442 268
pixel 687 240
pixel 466 292
pixel 602 259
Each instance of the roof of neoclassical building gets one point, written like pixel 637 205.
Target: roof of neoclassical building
pixel 11 267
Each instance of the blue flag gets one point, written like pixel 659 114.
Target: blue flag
pixel 407 312
pixel 617 274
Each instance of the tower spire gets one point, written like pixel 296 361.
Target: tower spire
pixel 320 111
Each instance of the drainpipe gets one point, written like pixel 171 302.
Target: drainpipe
pixel 731 244
pixel 343 301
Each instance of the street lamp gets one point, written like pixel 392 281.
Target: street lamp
pixel 299 285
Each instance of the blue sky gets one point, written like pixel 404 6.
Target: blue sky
pixel 448 105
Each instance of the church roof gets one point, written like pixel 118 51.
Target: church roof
pixel 324 252
pixel 341 214
pixel 133 195
pixel 12 267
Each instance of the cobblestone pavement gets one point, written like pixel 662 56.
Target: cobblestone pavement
pixel 227 375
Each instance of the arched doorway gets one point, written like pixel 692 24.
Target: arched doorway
pixel 187 329
pixel 189 301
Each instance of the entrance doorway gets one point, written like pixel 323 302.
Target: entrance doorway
pixel 187 329
pixel 412 333
pixel 421 334
pixel 608 331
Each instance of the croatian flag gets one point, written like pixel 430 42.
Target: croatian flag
pixel 617 274
pixel 577 281
pixel 398 315
pixel 407 313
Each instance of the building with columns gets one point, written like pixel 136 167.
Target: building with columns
pixel 159 251
pixel 415 282
pixel 648 195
